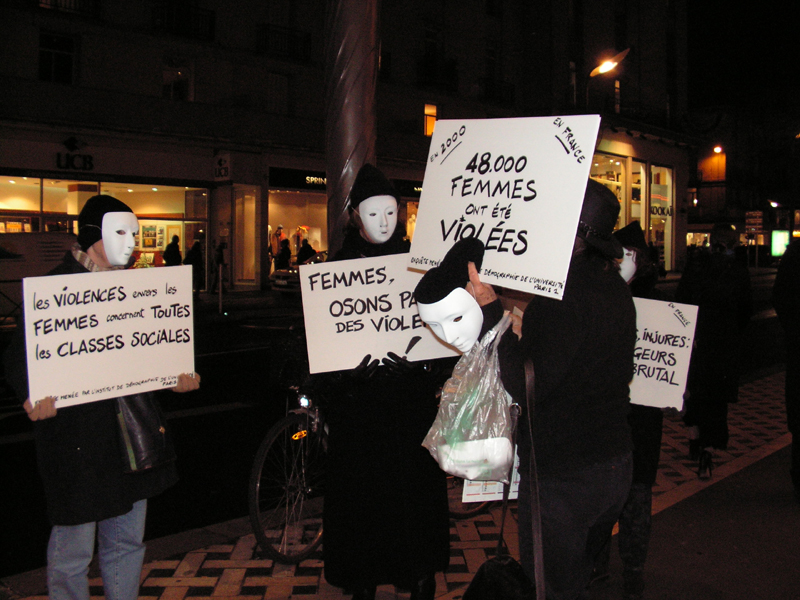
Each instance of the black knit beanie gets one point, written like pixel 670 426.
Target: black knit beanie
pixel 371 182
pixel 90 221
pixel 452 272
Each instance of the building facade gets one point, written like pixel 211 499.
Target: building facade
pixel 206 116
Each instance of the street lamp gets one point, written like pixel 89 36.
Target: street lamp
pixel 605 67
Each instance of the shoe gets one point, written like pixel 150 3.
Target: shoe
pixel 632 585
pixel 365 593
pixel 705 465
pixel 425 589
pixel 694 449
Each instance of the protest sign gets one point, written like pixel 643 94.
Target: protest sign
pixel 515 184
pixel 364 306
pixel 665 331
pixel 92 336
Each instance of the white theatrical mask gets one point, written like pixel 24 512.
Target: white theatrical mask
pixel 456 319
pixel 119 236
pixel 627 267
pixel 378 216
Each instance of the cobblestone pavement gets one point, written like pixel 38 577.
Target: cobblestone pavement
pixel 235 570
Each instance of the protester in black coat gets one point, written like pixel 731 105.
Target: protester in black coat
pixel 78 449
pixel 786 296
pixel 386 513
pixel 172 253
pixel 581 348
pixel 719 285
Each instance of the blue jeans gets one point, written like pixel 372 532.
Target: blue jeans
pixel 120 553
pixel 578 510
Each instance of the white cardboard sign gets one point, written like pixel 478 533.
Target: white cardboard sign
pixel 92 336
pixel 364 306
pixel 515 184
pixel 665 332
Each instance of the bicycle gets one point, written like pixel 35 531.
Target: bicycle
pixel 286 493
pixel 286 490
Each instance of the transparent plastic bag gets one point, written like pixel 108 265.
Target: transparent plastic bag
pixel 471 435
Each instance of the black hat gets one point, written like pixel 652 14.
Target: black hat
pixel 632 236
pixel 451 273
pixel 598 217
pixel 90 220
pixel 370 182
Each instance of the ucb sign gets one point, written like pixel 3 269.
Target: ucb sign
pixel 74 162
pixel 222 167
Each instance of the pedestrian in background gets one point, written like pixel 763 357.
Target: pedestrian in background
pixel 786 298
pixel 719 285
pixel 172 253
pixel 88 493
pixel 194 257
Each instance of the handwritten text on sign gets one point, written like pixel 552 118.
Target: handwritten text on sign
pixel 364 306
pixel 515 184
pixel 665 331
pixel 92 336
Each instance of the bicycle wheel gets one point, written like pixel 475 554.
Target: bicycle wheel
pixel 286 489
pixel 459 509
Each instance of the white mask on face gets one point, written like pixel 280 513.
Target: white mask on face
pixel 119 236
pixel 378 216
pixel 627 267
pixel 456 319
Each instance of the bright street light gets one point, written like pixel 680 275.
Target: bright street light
pixel 605 67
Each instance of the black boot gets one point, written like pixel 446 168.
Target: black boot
pixel 425 589
pixel 364 593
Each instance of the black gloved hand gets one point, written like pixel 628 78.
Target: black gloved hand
pixel 398 365
pixel 365 368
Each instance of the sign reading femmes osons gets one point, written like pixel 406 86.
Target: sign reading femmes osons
pixel 665 331
pixel 91 336
pixel 517 185
pixel 364 306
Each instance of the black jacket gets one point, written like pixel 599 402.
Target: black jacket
pixel 78 450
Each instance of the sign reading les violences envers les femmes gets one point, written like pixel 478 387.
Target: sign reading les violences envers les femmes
pixel 364 306
pixel 92 336
pixel 515 184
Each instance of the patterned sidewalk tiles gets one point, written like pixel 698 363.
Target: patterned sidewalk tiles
pixel 237 571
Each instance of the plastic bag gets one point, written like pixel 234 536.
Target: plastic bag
pixel 471 435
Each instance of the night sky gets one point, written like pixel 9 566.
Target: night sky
pixel 744 53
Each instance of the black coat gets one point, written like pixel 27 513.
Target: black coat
pixel 386 514
pixel 78 450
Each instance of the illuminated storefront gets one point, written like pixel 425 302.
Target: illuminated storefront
pixel 645 172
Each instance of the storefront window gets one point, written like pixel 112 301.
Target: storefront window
pixel 638 190
pixel 303 215
pixel 610 171
pixel 661 213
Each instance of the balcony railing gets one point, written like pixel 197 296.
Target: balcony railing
pixel 284 43
pixel 184 20
pixel 89 8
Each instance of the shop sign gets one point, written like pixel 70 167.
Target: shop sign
pixel 222 167
pixel 74 162
pixel 515 184
pixel 754 221
pixel 298 179
pixel 661 211
pixel 407 188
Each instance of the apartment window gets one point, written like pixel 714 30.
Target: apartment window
pixel 276 99
pixel 177 80
pixel 617 96
pixel 56 58
pixel 430 118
